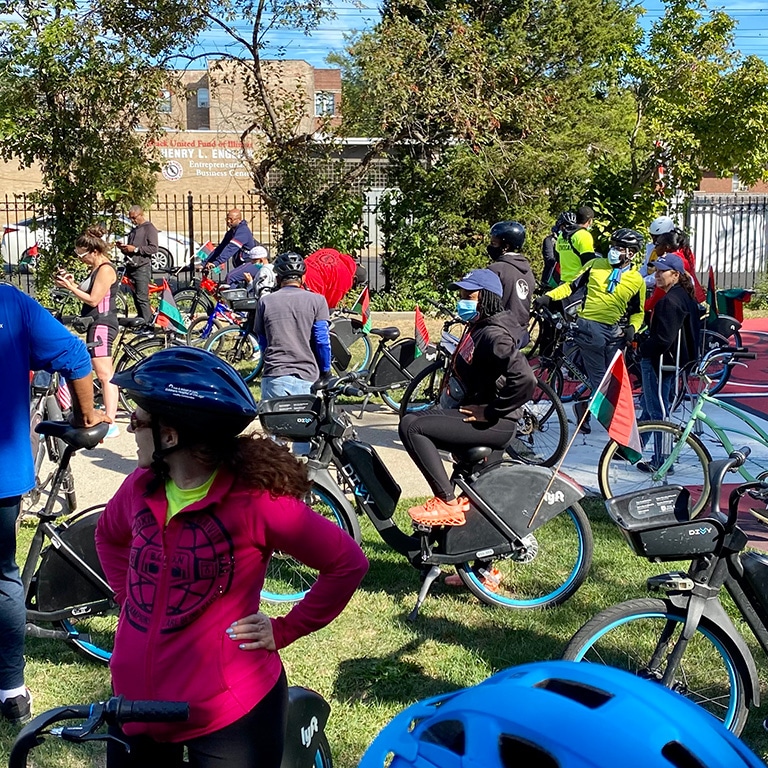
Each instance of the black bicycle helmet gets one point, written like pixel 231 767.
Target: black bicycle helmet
pixel 289 265
pixel 510 232
pixel 627 238
pixel 565 221
pixel 192 388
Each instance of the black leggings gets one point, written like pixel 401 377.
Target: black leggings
pixel 254 741
pixel 425 434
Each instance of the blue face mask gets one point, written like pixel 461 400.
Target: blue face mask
pixel 257 265
pixel 466 309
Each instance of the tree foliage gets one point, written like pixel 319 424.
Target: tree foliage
pixel 71 99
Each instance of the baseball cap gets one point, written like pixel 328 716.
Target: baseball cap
pixel 669 261
pixel 480 279
pixel 257 252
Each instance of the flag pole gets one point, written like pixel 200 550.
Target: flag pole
pixel 573 439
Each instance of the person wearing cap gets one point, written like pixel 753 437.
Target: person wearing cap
pixel 676 317
pixel 490 379
pixel 255 272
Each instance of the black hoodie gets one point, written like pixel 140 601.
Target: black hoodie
pixel 492 369
pixel 518 283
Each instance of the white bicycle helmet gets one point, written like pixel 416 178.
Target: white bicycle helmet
pixel 662 224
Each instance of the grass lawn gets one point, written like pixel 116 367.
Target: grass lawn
pixel 371 663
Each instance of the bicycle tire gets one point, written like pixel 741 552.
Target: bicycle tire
pixel 423 391
pixel 137 350
pixel 533 347
pixel 553 582
pixel 323 758
pixel 542 431
pixel 397 376
pixel 193 303
pixel 239 348
pixel 546 370
pixel 288 580
pixel 197 327
pixel 618 476
pixel 351 347
pixel 121 303
pixel 628 636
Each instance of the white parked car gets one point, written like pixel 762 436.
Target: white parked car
pixel 20 243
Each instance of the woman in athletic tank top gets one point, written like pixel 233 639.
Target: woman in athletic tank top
pixel 97 292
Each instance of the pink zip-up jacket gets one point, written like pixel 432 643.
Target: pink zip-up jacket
pixel 182 584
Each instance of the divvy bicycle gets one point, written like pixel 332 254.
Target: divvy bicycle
pixel 63 581
pixel 686 640
pixel 503 556
pixel 306 745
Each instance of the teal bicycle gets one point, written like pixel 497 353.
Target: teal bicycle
pixel 677 453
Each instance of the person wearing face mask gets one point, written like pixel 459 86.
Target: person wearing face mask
pixel 614 289
pixel 256 271
pixel 513 269
pixel 490 380
pixel 676 317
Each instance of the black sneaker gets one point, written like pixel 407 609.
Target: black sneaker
pixel 579 409
pixel 17 709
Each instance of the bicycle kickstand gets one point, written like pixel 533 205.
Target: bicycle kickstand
pixel 432 574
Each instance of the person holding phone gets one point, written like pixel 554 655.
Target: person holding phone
pixel 138 252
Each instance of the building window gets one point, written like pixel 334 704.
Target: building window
pixel 203 99
pixel 737 185
pixel 165 102
pixel 325 103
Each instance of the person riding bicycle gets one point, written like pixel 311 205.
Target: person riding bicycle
pixel 490 380
pixel 675 318
pixel 30 339
pixel 575 246
pixel 98 292
pixel 237 241
pixel 292 326
pixel 614 288
pixel 513 269
pixel 185 544
pixel 331 274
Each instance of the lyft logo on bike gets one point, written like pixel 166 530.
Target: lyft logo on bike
pixel 308 732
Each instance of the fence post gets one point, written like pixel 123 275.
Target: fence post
pixel 191 226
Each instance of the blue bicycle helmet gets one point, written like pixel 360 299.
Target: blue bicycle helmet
pixel 558 714
pixel 190 387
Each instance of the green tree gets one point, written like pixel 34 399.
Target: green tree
pixel 71 99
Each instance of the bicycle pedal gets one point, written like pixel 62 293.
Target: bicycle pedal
pixel 421 527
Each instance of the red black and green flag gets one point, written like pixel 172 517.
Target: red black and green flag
pixel 421 334
pixel 363 306
pixel 205 251
pixel 168 315
pixel 613 407
pixel 712 295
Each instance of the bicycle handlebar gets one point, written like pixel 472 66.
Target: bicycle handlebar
pixel 717 472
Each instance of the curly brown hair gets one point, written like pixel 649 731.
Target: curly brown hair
pixel 257 462
pixel 92 240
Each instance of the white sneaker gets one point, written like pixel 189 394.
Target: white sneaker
pixel 113 431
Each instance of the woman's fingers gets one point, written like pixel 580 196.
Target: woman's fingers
pixel 252 632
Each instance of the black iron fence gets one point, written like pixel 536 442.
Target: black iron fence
pixel 185 222
pixel 730 233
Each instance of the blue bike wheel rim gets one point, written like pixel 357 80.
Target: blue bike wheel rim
pixel 543 599
pixel 730 716
pixel 294 597
pixel 75 636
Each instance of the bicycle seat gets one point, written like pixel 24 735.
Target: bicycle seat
pixel 131 322
pixel 388 334
pixel 473 455
pixel 76 437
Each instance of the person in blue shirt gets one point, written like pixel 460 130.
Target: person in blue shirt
pixel 30 339
pixel 237 241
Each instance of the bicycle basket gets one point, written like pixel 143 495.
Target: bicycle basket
pixel 657 525
pixel 239 299
pixel 296 417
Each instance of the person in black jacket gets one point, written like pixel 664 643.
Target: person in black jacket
pixel 676 317
pixel 138 252
pixel 513 269
pixel 490 379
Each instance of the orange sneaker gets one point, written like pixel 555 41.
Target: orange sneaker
pixel 439 512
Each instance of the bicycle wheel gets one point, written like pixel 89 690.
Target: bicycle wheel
pixel 287 580
pixel 239 349
pixel 137 350
pixel 199 331
pixel 618 476
pixel 424 389
pixel 542 429
pixel 549 371
pixel 323 757
pixel 533 347
pixel 122 303
pixel 553 565
pixel 638 636
pixel 192 303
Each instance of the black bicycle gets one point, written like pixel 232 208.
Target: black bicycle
pixel 526 544
pixel 686 640
pixel 67 595
pixel 306 745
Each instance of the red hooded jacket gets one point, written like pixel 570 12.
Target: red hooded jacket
pixel 330 273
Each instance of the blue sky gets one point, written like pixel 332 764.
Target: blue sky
pixel 751 32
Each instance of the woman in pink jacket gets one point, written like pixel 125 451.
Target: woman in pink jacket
pixel 185 544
